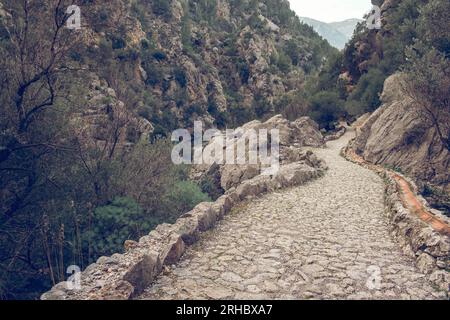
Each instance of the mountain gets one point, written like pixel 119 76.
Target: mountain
pixel 336 33
pixel 346 27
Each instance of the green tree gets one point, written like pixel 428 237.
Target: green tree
pixel 185 195
pixel 121 220
pixel 326 108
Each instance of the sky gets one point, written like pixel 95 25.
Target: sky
pixel 331 10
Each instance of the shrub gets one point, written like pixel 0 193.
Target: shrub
pixel 367 91
pixel 114 223
pixel 159 55
pixel 262 106
pixel 180 76
pixel 118 43
pixel 162 7
pixel 185 195
pixel 210 187
pixel 326 108
pixel 284 62
pixel 244 71
pixel 292 105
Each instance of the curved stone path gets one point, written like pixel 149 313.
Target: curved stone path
pixel 327 239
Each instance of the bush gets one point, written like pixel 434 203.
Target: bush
pixel 292 105
pixel 262 106
pixel 244 71
pixel 284 62
pixel 211 187
pixel 185 195
pixel 162 7
pixel 154 73
pixel 118 43
pixel 367 91
pixel 326 108
pixel 180 76
pixel 115 223
pixel 159 55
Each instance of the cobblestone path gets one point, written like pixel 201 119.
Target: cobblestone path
pixel 327 239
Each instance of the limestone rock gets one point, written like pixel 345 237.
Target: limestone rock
pixel 395 136
pixel 142 273
pixel 293 136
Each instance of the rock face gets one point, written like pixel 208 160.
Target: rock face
pixel 105 119
pixel 395 136
pixel 196 60
pixel 293 136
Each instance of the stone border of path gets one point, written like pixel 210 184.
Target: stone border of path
pixel 422 233
pixel 124 276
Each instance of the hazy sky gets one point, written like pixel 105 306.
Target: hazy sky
pixel 331 10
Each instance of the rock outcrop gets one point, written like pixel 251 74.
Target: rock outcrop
pixel 294 135
pixel 395 136
pixel 105 120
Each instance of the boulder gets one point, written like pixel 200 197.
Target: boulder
pixel 293 135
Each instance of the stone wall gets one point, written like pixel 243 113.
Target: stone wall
pixel 417 238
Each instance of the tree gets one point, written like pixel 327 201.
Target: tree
pixel 36 70
pixel 326 108
pixel 428 84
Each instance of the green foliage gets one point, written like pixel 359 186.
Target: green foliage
pixel 221 117
pixel 185 195
pixel 283 62
pixel 262 106
pixel 159 55
pixel 293 51
pixel 428 84
pixel 186 33
pixel 180 76
pixel 256 23
pixel 118 43
pixel 434 26
pixel 210 187
pixel 244 71
pixel 203 10
pixel 292 105
pixel 326 108
pixel 415 27
pixel 162 8
pixel 366 94
pixel 121 220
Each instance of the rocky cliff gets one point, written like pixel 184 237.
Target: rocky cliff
pixel 223 62
pixel 394 135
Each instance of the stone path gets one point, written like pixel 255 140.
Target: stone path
pixel 328 239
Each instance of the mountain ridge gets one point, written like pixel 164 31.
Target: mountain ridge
pixel 336 33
